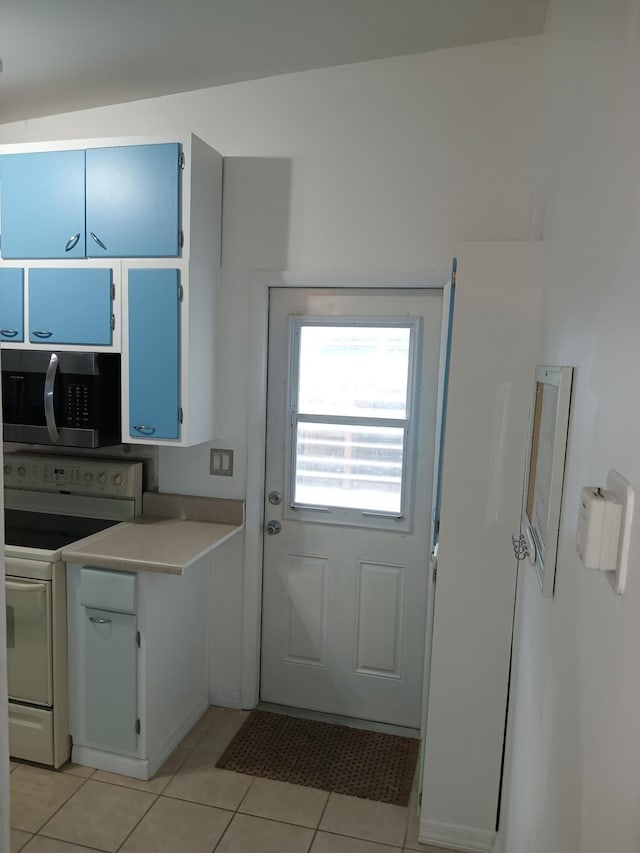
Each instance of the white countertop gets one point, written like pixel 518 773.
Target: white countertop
pixel 168 542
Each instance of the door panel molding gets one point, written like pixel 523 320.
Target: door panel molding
pixel 305 586
pixel 376 641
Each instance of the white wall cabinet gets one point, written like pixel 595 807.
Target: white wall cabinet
pixel 182 246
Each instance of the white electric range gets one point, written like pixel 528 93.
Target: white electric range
pixel 50 502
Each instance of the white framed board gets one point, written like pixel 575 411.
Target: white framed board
pixel 544 476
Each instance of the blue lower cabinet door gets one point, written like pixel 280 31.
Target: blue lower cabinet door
pixel 43 210
pixel 133 201
pixel 154 354
pixel 70 306
pixel 11 304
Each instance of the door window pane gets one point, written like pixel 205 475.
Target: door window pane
pixel 350 370
pixel 349 465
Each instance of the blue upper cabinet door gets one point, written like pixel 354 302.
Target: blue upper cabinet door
pixel 133 201
pixel 70 306
pixel 11 304
pixel 42 212
pixel 154 354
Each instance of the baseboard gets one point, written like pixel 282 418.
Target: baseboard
pixel 111 762
pixel 456 837
pixel 225 697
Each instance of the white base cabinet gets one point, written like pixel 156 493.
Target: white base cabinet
pixel 138 664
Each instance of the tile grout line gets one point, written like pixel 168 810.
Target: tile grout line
pixel 53 814
pixel 317 829
pixel 151 804
pixel 365 840
pixel 235 811
pixel 139 821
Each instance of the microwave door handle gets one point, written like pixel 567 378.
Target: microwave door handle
pixel 49 388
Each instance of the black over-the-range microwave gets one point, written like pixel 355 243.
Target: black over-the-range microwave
pixel 66 399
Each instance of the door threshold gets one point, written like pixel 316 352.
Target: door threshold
pixel 352 722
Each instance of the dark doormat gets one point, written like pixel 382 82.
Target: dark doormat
pixel 336 758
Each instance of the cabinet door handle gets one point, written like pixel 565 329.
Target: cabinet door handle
pixel 49 388
pixel 96 239
pixel 9 333
pixel 71 242
pixel 97 621
pixel 145 430
pixel 41 333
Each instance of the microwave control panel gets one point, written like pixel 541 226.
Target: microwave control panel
pixel 76 406
pixel 74 475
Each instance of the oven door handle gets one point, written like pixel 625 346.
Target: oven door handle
pixel 49 388
pixel 18 586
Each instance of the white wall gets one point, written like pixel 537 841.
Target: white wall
pixel 378 166
pixel 575 751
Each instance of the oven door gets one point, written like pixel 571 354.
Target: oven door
pixel 29 640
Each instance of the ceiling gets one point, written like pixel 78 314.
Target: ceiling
pixel 64 55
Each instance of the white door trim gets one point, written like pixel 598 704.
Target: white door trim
pixel 260 284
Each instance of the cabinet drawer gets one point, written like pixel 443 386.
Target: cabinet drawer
pixel 108 590
pixel 31 733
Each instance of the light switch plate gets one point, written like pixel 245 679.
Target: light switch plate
pixel 221 463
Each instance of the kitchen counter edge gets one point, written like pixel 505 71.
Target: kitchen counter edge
pixel 165 542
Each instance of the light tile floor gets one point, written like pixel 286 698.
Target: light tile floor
pixel 191 807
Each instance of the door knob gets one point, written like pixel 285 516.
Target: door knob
pixel 273 527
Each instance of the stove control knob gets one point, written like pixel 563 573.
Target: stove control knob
pixel 21 471
pixel 118 479
pixel 102 478
pixel 88 477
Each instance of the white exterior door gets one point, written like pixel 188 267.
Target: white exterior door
pixel 351 413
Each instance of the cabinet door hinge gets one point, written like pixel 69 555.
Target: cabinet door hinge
pixel 434 574
pixel 138 639
pixel 181 238
pixel 181 160
pixel 180 293
pixel 113 322
pixel 180 414
pixel 138 726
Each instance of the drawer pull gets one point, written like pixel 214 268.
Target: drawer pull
pixel 97 621
pixel 71 242
pixel 97 240
pixel 9 333
pixel 145 430
pixel 41 333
